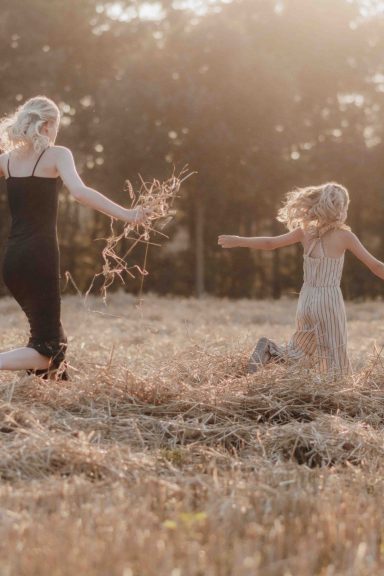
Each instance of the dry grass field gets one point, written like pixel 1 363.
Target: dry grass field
pixel 162 458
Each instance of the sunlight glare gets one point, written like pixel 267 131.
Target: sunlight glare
pixel 143 11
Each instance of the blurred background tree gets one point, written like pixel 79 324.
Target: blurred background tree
pixel 257 96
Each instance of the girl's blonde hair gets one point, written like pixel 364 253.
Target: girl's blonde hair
pixel 316 209
pixel 23 126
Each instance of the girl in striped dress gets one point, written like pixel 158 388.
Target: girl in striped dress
pixel 316 218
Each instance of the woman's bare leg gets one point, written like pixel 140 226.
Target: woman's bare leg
pixel 23 359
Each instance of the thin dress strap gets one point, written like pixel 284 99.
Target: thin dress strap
pixel 37 161
pixel 8 170
pixel 313 244
pixel 322 246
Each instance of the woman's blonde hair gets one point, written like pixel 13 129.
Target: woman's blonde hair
pixel 23 126
pixel 315 209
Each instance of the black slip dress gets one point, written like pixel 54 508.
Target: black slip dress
pixel 31 266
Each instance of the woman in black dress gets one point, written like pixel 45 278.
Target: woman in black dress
pixel 32 166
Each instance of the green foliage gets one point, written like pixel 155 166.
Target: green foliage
pixel 257 97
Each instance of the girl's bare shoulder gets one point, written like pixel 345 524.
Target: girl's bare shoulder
pixel 338 241
pixel 343 235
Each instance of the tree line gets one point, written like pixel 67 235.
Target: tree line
pixel 256 97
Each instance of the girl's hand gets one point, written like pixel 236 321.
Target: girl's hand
pixel 229 241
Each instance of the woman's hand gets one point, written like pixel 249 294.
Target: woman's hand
pixel 229 241
pixel 138 215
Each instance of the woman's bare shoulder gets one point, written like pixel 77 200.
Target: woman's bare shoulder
pixel 60 151
pixel 62 157
pixel 3 163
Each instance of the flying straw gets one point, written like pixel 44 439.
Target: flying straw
pixel 157 199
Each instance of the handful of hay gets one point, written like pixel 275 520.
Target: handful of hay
pixel 156 198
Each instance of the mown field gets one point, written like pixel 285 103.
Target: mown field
pixel 161 457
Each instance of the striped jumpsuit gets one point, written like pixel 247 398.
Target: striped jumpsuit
pixel 321 326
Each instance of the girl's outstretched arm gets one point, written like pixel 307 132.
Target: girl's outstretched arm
pixel 260 242
pixel 355 246
pixel 90 197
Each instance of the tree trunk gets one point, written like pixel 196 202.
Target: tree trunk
pixel 199 246
pixel 276 281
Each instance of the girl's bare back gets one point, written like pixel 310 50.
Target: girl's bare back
pixel 334 243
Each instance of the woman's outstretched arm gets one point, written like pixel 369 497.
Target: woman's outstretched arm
pixel 260 242
pixel 66 167
pixel 356 247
